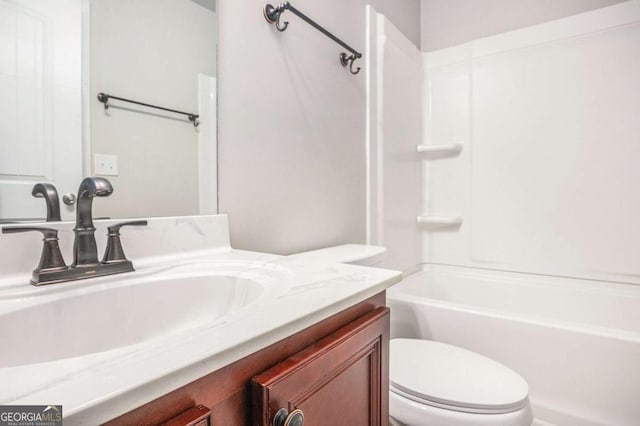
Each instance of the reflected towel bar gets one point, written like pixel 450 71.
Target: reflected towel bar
pixel 104 98
pixel 272 15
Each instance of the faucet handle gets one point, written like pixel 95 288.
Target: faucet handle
pixel 51 260
pixel 114 252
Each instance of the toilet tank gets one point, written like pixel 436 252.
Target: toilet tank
pixel 355 254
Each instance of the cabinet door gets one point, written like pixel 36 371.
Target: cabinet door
pixel 342 379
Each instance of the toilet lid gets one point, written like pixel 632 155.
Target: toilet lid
pixel 449 376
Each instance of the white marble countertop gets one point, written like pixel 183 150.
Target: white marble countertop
pixel 97 387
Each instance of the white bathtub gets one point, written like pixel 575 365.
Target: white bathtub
pixel 576 342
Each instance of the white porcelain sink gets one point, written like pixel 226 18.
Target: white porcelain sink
pixel 122 311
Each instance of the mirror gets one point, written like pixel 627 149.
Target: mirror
pixel 55 57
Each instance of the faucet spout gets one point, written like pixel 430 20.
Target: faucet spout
pixel 85 251
pixel 50 194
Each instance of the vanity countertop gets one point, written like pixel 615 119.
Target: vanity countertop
pixel 99 386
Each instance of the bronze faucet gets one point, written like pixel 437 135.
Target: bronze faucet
pixel 52 268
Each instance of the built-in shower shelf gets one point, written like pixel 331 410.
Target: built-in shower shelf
pixel 447 148
pixel 440 221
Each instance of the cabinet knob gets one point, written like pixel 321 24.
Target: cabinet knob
pixel 285 418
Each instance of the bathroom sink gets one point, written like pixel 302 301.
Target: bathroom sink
pixel 120 313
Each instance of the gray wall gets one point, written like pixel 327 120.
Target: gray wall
pixel 446 23
pixel 292 169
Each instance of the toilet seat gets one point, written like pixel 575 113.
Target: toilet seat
pixel 453 378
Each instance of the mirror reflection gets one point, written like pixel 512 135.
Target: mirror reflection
pixel 55 57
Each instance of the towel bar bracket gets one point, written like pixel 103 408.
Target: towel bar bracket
pixel 273 14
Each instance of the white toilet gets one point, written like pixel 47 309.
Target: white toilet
pixel 433 383
pixel 436 384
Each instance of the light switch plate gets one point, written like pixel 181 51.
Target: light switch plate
pixel 106 165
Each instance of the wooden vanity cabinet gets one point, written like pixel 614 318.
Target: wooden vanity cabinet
pixel 335 371
pixel 341 380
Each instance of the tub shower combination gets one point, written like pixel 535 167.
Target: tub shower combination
pixel 576 342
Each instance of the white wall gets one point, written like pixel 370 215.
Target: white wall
pixel 445 23
pixel 546 181
pixel 152 51
pixel 292 171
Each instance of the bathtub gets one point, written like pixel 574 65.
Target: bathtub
pixel 576 342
